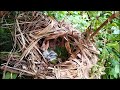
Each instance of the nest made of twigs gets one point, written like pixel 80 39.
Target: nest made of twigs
pixel 35 33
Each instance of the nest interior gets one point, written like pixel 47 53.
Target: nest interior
pixel 35 33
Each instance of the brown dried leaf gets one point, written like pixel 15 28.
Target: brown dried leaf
pixel 47 29
pixel 71 74
pixel 22 36
pixel 78 44
pixel 92 49
pixel 55 35
pixel 87 52
pixel 94 59
pixel 45 45
pixel 67 45
pixel 26 52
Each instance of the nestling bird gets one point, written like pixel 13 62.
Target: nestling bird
pixel 51 56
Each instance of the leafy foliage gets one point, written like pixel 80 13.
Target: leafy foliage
pixel 10 75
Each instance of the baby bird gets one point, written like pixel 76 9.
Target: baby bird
pixel 51 56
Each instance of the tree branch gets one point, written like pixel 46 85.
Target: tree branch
pixel 17 71
pixel 103 24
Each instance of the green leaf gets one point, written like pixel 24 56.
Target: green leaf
pixel 112 71
pixel 105 53
pixel 112 37
pixel 7 75
pixel 10 75
pixel 114 62
pixel 114 24
pixel 117 70
pixel 114 45
pixel 14 76
pixel 116 75
pixel 111 77
pixel 93 13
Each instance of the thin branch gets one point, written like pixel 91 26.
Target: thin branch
pixel 16 70
pixel 103 24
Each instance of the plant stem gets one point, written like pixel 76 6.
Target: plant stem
pixel 103 24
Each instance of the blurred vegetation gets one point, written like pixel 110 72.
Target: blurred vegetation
pixel 107 40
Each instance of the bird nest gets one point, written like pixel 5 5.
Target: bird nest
pixel 36 33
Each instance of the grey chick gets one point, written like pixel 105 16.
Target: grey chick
pixel 51 56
